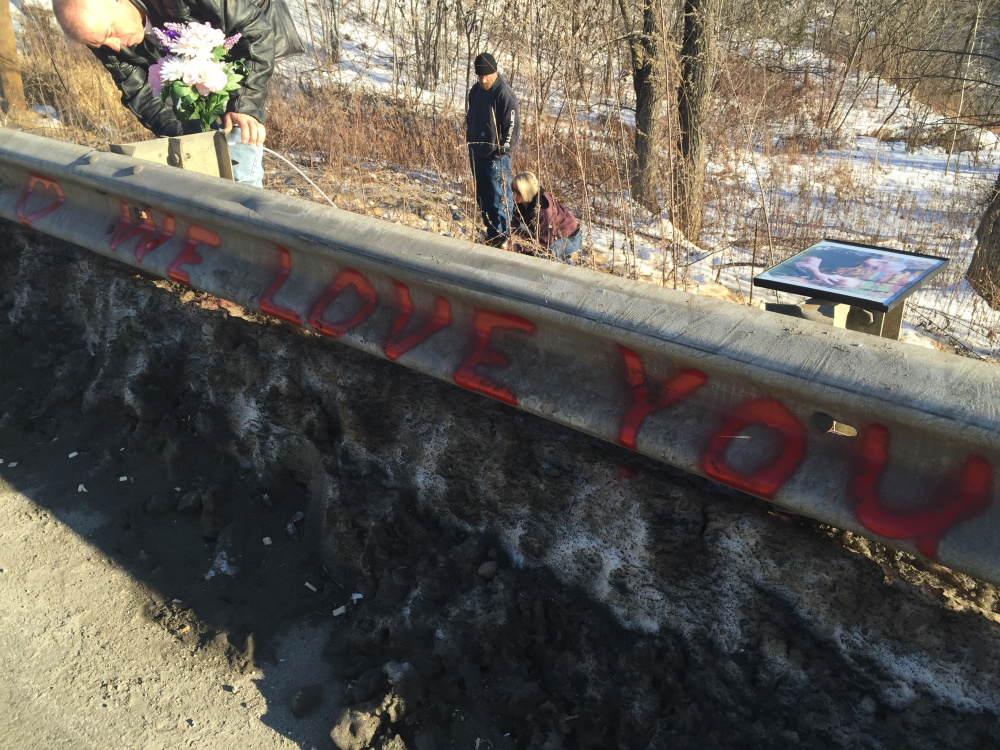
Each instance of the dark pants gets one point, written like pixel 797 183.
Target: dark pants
pixel 493 195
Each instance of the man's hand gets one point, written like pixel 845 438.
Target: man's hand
pixel 252 130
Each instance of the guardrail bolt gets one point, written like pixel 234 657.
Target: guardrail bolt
pixel 175 159
pixel 92 158
pixel 136 169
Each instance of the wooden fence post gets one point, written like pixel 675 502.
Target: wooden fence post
pixel 10 69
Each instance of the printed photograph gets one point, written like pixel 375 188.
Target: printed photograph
pixel 865 274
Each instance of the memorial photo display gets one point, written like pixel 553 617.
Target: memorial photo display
pixel 865 276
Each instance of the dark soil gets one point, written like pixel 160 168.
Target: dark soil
pixel 522 586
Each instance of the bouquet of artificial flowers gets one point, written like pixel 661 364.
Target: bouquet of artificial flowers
pixel 193 73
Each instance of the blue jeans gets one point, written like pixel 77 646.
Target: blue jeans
pixel 493 195
pixel 247 160
pixel 566 246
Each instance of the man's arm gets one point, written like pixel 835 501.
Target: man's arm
pixel 138 96
pixel 508 115
pixel 468 114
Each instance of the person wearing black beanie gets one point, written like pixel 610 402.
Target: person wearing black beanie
pixel 492 130
pixel 485 64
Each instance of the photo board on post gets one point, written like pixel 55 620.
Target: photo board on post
pixel 872 278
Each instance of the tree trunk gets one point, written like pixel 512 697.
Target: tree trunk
pixel 984 271
pixel 693 101
pixel 648 84
pixel 963 73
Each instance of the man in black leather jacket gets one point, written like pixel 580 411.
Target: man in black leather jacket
pixel 115 30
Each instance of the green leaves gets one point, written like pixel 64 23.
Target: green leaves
pixel 190 106
pixel 234 80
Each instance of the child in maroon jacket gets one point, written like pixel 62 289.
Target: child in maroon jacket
pixel 543 219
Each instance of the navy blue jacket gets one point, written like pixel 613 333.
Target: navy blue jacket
pixel 489 112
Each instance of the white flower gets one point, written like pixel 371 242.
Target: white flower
pixel 205 75
pixel 197 40
pixel 171 68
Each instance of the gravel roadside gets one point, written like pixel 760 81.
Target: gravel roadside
pixel 85 665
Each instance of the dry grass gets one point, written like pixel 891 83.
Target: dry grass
pixel 66 79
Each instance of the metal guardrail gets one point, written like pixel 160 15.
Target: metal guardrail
pixel 760 402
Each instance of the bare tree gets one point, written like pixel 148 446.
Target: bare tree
pixel 427 21
pixel 962 71
pixel 693 102
pixel 648 82
pixel 470 23
pixel 330 18
pixel 984 270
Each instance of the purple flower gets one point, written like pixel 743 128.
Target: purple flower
pixel 163 38
pixel 231 40
pixel 170 33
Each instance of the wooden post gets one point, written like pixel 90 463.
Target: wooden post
pixel 10 69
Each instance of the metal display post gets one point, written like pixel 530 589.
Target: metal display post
pixel 204 153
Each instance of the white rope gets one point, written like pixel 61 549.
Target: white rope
pixel 275 153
